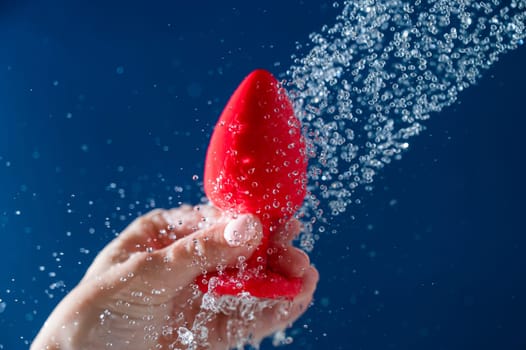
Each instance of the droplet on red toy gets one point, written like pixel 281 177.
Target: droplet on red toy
pixel 256 163
pixel 256 160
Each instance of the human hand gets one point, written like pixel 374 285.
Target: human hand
pixel 139 293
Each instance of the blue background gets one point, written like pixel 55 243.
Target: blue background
pixel 97 93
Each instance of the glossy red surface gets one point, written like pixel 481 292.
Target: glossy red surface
pixel 256 163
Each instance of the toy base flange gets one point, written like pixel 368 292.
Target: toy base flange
pixel 265 284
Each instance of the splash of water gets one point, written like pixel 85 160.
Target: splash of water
pixel 364 88
pixel 368 83
pixel 242 310
pixel 362 91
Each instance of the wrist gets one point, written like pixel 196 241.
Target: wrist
pixel 69 325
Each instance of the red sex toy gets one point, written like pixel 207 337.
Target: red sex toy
pixel 256 163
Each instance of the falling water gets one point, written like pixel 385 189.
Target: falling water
pixel 369 82
pixel 363 88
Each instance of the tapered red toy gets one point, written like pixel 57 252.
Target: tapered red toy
pixel 256 163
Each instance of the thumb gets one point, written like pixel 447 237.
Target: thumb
pixel 219 245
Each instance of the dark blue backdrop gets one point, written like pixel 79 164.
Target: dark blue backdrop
pixel 98 96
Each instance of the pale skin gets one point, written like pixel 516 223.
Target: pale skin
pixel 140 288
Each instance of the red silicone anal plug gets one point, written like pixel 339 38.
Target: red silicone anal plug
pixel 256 163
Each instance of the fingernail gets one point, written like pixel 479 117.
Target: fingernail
pixel 242 230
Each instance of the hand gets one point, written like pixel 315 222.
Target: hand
pixel 139 293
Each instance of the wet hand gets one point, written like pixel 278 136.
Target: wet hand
pixel 139 293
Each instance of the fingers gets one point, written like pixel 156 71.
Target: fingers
pixel 289 261
pixel 220 244
pixel 159 228
pixel 310 281
pixel 301 303
pixel 283 315
pixel 286 233
pixel 153 231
